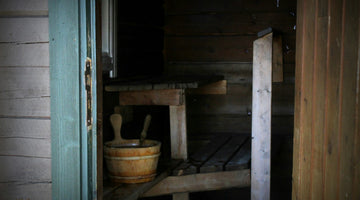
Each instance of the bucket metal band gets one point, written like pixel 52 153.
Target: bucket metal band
pixel 133 157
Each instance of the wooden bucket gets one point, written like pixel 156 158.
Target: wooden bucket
pixel 128 162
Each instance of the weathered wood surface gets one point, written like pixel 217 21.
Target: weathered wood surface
pixel 209 124
pixel 162 83
pixel 218 161
pixel 23 30
pixel 24 128
pixel 197 159
pixel 24 169
pixel 30 54
pixel 28 147
pixel 32 107
pixel 36 190
pixel 221 48
pixel 326 133
pixel 31 8
pixel 24 82
pixel 241 159
pixel 178 132
pixel 219 87
pixel 201 182
pixel 172 97
pixel 261 118
pixel 233 72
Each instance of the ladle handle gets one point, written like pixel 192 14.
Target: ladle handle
pixel 145 129
pixel 116 121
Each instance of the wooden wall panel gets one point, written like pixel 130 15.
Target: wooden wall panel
pixel 326 104
pixel 22 30
pixel 215 37
pixel 25 152
pixel 43 191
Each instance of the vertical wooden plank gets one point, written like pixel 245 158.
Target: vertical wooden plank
pixel 277 59
pixel 178 134
pixel 296 178
pixel 178 137
pixel 318 113
pixel 261 118
pixel 349 59
pixel 332 104
pixel 356 150
pixel 65 99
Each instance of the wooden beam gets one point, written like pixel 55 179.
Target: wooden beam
pixel 172 97
pixel 212 88
pixel 200 182
pixel 261 118
pixel 178 134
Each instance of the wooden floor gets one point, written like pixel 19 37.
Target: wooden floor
pixel 223 153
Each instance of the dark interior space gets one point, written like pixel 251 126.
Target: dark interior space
pixel 180 38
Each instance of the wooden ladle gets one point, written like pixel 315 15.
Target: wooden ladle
pixel 116 122
pixel 145 129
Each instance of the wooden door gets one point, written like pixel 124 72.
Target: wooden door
pixel 73 98
pixel 326 161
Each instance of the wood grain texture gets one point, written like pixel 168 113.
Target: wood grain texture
pixel 178 132
pixel 328 57
pixel 31 107
pixel 38 190
pixel 24 128
pixel 241 159
pixel 24 169
pixel 23 8
pixel 24 30
pixel 220 48
pixel 218 161
pixel 27 147
pixel 152 97
pixel 201 182
pixel 31 54
pixel 24 83
pixel 261 118
pixel 233 72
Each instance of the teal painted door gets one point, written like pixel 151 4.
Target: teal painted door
pixel 73 98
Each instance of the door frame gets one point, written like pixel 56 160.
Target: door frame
pixel 73 83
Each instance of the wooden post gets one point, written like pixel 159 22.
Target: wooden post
pixel 178 137
pixel 261 118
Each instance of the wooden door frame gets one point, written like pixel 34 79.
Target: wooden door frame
pixel 73 63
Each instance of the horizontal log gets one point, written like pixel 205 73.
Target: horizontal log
pixel 238 101
pixel 245 23
pixel 152 97
pixel 31 107
pixel 219 87
pixel 29 54
pixel 30 147
pixel 26 190
pixel 23 8
pixel 24 30
pixel 24 82
pixel 219 48
pixel 233 72
pixel 174 7
pixel 211 124
pixel 24 128
pixel 24 169
pixel 201 182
